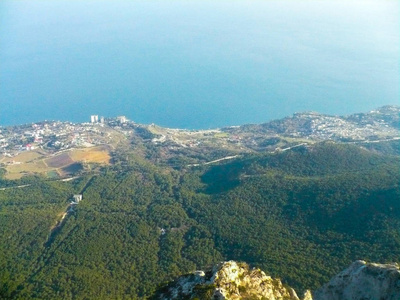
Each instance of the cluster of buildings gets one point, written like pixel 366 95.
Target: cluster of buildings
pixel 322 127
pixel 56 135
pixel 95 119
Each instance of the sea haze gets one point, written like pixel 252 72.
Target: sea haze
pixel 196 64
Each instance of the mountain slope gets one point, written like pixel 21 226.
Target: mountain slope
pixel 140 225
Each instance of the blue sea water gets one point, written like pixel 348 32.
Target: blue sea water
pixel 196 64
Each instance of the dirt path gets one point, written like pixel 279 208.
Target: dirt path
pixel 15 187
pixel 214 161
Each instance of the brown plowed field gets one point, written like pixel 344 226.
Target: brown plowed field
pixel 59 161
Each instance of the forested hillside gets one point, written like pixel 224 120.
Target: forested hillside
pixel 301 215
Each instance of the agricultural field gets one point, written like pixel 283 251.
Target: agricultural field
pixel 99 155
pixel 59 161
pixel 54 165
pixel 23 157
pixel 19 169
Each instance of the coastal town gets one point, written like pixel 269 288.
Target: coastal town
pixel 58 149
pixel 57 135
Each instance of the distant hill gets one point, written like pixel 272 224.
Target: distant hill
pixel 382 123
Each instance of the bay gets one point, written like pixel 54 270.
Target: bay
pixel 196 64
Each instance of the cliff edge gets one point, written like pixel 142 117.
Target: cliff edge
pixel 363 281
pixel 229 280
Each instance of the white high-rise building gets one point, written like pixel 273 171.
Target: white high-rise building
pixel 94 118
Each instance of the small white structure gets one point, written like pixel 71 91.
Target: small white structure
pixel 77 198
pixel 199 273
pixel 121 119
pixel 29 147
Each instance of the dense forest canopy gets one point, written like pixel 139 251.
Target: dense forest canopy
pixel 301 215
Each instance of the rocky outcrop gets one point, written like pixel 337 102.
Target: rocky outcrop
pixel 229 280
pixel 365 281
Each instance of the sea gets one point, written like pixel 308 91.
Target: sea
pixel 196 64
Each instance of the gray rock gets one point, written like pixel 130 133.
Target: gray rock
pixel 233 281
pixel 229 280
pixel 363 281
